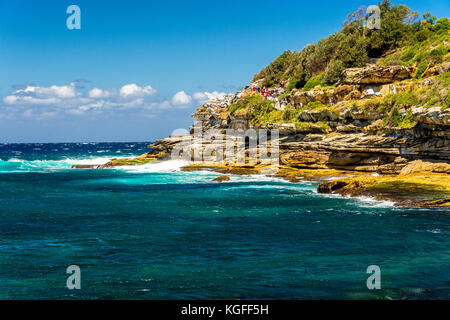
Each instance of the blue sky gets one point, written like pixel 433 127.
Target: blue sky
pixel 137 70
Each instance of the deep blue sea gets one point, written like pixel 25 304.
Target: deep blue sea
pixel 154 232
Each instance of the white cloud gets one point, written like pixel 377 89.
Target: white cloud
pixel 28 113
pixel 10 99
pixel 43 102
pixel 52 91
pixel 181 98
pixel 5 116
pixel 132 103
pixel 133 90
pixel 48 114
pixel 159 105
pixel 13 100
pixel 205 96
pixel 98 93
pixel 77 112
pixel 43 115
pixel 35 95
pixel 179 132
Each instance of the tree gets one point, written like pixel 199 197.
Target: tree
pixel 356 17
pixel 430 18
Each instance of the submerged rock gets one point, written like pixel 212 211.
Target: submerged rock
pixel 86 166
pixel 222 179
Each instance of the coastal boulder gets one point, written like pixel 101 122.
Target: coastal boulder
pixel 425 166
pixel 433 116
pixel 222 179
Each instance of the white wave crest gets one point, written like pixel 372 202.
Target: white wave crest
pixel 371 202
pixel 22 165
pixel 164 166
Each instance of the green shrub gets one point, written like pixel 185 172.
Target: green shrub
pixel 314 81
pixel 393 59
pixel 295 84
pixel 421 68
pixel 409 53
pixel 441 26
pixel 422 56
pixel 406 99
pixel 446 103
pixel 430 18
pixel 439 51
pixel 401 121
pixel 445 78
pixel 254 103
pixel 354 43
pixel 314 105
pixel 333 71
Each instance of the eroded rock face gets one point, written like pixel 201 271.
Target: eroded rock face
pixel 375 74
pixel 356 152
pixel 213 114
pixel 434 116
pixel 416 190
pixel 420 166
pixel 316 116
pixel 161 149
pixel 404 86
pixel 359 141
pixel 323 95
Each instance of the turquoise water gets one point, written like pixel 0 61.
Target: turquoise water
pixel 154 232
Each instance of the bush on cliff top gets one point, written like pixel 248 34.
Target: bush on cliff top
pixel 251 106
pixel 355 43
pixel 401 120
pixel 314 81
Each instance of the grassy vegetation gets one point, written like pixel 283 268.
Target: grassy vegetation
pixel 425 50
pixel 399 120
pixel 437 95
pixel 314 81
pixel 260 112
pixel 251 106
pixel 397 107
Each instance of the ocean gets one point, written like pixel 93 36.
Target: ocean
pixel 155 232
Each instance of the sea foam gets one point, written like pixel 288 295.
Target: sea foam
pixel 22 165
pixel 164 166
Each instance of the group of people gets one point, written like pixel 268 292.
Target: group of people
pixel 353 96
pixel 262 91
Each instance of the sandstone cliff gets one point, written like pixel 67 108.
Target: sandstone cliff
pixel 377 120
pixel 354 134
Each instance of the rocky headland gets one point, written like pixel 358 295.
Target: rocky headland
pixel 381 129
